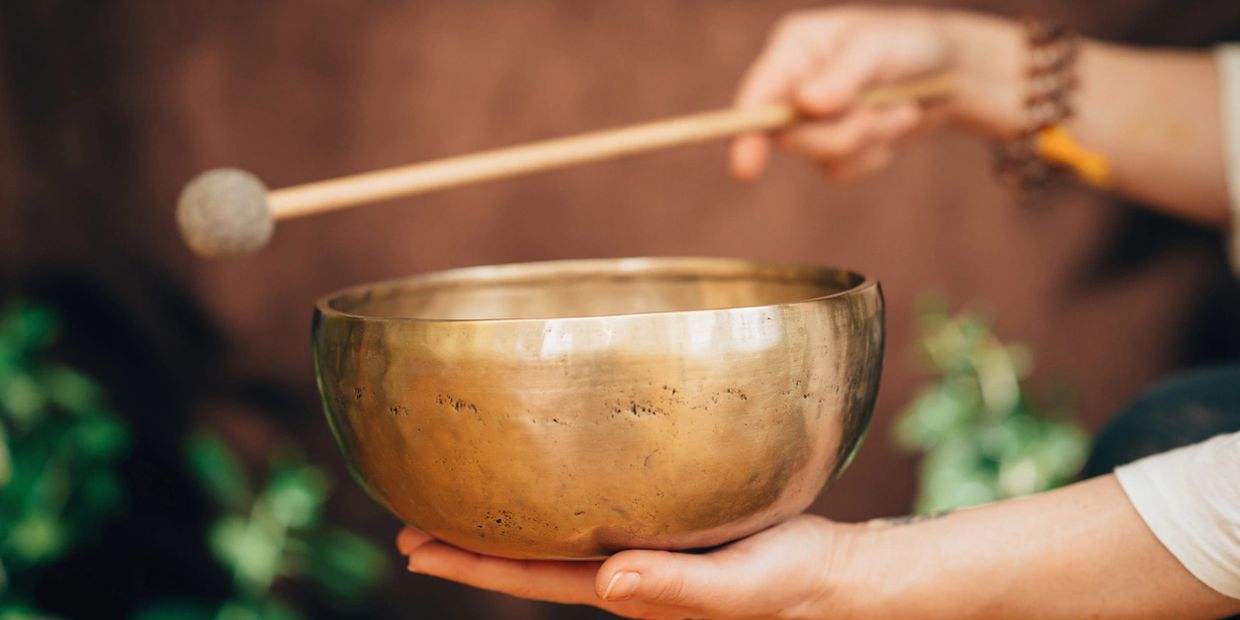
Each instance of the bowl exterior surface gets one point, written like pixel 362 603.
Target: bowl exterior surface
pixel 578 437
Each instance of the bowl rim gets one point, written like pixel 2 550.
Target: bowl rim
pixel 587 267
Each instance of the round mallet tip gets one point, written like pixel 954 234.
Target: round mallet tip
pixel 224 211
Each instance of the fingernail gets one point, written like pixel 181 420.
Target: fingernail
pixel 622 586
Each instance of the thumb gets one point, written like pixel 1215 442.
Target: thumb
pixel 664 578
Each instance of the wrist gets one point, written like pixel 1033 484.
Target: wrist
pixel 846 584
pixel 918 567
pixel 876 570
pixel 988 57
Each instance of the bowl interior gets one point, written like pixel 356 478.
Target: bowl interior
pixel 562 289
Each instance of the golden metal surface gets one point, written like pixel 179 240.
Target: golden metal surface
pixel 571 409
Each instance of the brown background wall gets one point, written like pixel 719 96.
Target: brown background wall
pixel 296 91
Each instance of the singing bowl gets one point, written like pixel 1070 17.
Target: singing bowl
pixel 570 409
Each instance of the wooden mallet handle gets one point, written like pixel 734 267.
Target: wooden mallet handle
pixel 511 161
pixel 229 211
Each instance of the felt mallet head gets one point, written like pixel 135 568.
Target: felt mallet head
pixel 224 212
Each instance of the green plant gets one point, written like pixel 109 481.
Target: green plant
pixel 981 435
pixel 58 449
pixel 273 532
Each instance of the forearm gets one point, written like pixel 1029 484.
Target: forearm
pixel 1154 114
pixel 1081 551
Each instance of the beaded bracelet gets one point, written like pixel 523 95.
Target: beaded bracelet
pixel 1044 145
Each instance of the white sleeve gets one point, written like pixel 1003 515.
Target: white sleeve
pixel 1190 499
pixel 1228 57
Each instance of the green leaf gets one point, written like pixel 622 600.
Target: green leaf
pixel 22 400
pixel 29 327
pixel 176 610
pixel 38 538
pixel 6 460
pixel 1063 450
pixel 16 496
pixel 1020 477
pixel 937 414
pixel 296 495
pixel 258 610
pixel 71 389
pixel 249 550
pixel 344 564
pixel 16 610
pixel 99 438
pixel 234 610
pixel 228 540
pixel 218 471
pixel 99 493
pixel 51 488
pixel 975 422
pixel 276 611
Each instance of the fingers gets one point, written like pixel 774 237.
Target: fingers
pixel 748 155
pixel 760 576
pixel 837 139
pixel 770 80
pixel 409 539
pixel 822 62
pixel 834 84
pixel 864 164
pixel 552 581
pixel 827 140
pixel 772 573
pixel 859 143
pixel 791 55
pixel 559 582
pixel 822 87
pixel 667 579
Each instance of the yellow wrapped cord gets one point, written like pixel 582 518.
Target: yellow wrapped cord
pixel 1056 145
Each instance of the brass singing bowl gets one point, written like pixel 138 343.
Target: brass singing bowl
pixel 571 409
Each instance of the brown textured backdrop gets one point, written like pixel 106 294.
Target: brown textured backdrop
pixel 295 91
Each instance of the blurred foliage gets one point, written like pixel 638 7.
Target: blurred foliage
pixel 275 531
pixel 980 433
pixel 58 449
pixel 272 532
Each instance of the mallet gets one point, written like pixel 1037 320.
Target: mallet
pixel 230 211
